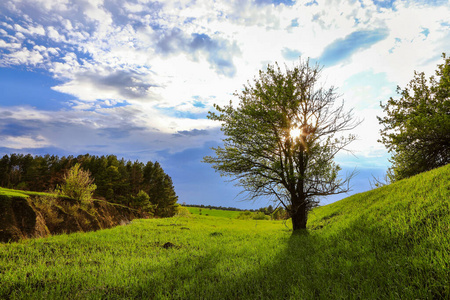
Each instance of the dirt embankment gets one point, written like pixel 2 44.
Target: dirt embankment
pixel 39 216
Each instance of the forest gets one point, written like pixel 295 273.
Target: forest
pixel 118 180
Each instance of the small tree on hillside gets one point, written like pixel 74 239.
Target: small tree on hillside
pixel 282 138
pixel 78 184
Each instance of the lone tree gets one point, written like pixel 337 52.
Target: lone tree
pixel 282 138
pixel 78 184
pixel 417 126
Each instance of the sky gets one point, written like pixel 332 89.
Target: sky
pixel 136 78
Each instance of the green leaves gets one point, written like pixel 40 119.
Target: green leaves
pixel 78 184
pixel 417 126
pixel 259 151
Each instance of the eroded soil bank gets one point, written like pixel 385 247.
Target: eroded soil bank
pixel 39 216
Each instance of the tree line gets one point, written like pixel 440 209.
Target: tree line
pixel 278 213
pixel 121 181
pixel 216 207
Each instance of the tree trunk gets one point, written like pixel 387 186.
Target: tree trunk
pixel 299 217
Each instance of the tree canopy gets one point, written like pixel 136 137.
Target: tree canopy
pixel 417 125
pixel 282 137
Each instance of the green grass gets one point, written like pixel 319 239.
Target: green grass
pixel 26 194
pixel 213 212
pixel 389 243
pixel 12 193
pixel 23 194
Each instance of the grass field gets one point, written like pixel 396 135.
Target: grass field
pixel 389 243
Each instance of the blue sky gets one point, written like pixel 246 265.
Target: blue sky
pixel 136 78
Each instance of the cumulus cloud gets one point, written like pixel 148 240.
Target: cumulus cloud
pixel 168 62
pixel 118 84
pixel 125 129
pixel 115 133
pixel 170 41
pixel 219 53
pixel 109 34
pixel 21 142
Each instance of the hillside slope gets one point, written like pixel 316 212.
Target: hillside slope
pixel 400 231
pixel 408 205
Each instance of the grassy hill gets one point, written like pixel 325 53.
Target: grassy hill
pixel 388 243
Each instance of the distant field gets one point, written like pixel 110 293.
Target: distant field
pixel 388 243
pixel 213 212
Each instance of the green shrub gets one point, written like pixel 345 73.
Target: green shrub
pixel 248 215
pixel 245 215
pixel 78 185
pixel 181 211
pixel 260 216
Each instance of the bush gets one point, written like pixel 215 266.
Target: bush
pixel 181 211
pixel 260 216
pixel 78 185
pixel 245 215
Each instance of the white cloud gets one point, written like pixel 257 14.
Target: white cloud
pixel 25 57
pixel 9 46
pixel 126 129
pixel 21 142
pixel 19 36
pixel 54 35
pixel 24 113
pixel 107 52
pixel 30 29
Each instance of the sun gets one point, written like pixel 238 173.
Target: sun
pixel 295 132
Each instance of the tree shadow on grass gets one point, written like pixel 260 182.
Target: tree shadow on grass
pixel 356 263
